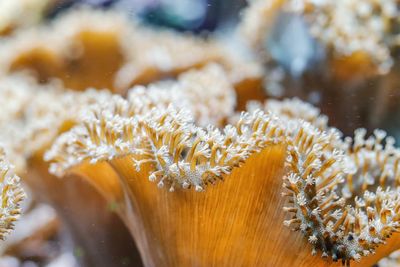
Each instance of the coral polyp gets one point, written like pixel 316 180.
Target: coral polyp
pixel 349 223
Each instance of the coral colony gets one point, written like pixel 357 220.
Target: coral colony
pixel 171 108
pixel 342 193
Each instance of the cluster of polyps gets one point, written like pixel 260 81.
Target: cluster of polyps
pixel 374 164
pixel 293 109
pixel 348 223
pixel 207 93
pixel 181 152
pixel 316 209
pixel 191 156
pixel 11 195
pixel 342 194
pixel 145 53
pixel 34 114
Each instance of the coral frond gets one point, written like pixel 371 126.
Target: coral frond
pixel 181 152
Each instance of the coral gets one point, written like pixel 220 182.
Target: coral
pixel 11 196
pixel 79 44
pixel 349 28
pixel 343 193
pixel 292 109
pixel 33 115
pixel 179 127
pixel 185 93
pixel 103 49
pixel 351 224
pixel 375 163
pixel 182 153
pixel 358 34
pixel 318 166
pixel 258 19
pixel 206 92
pixel 159 54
